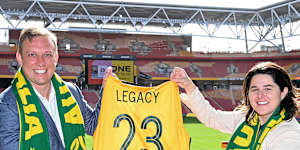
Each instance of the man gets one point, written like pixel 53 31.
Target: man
pixel 40 110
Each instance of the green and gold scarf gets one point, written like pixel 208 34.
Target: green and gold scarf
pixel 33 129
pixel 250 137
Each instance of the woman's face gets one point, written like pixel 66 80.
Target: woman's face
pixel 265 95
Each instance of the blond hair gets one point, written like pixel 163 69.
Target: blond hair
pixel 31 32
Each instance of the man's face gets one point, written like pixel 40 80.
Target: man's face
pixel 38 60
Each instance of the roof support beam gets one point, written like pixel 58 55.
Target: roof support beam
pixel 170 19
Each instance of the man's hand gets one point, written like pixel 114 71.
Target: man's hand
pixel 108 72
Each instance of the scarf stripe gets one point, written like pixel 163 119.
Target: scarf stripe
pixel 250 137
pixel 32 121
pixel 33 128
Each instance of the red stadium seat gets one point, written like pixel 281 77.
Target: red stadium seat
pixel 91 97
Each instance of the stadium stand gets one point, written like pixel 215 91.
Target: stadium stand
pixel 156 56
pixel 4 47
pixel 8 66
pixel 220 99
pixel 91 97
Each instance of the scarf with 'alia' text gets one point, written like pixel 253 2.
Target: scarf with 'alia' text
pixel 33 129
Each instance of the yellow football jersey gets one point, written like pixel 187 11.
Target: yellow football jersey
pixel 140 118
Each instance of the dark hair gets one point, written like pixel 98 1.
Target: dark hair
pixel 31 32
pixel 281 78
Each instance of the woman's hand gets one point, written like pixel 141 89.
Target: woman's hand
pixel 179 76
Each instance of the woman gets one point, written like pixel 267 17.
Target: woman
pixel 266 118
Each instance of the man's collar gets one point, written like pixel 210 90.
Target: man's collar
pixel 41 97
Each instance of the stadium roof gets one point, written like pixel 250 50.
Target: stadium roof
pixel 246 4
pixel 147 13
pixel 131 16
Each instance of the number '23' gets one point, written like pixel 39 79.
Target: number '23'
pixel 154 139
